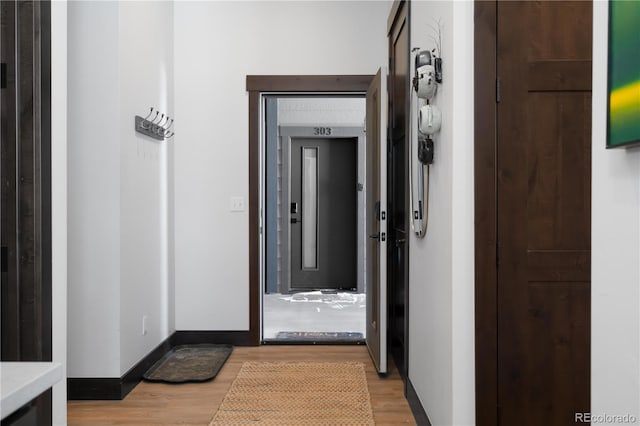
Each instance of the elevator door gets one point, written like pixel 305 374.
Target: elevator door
pixel 323 214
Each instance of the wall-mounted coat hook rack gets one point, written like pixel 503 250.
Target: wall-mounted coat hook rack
pixel 155 125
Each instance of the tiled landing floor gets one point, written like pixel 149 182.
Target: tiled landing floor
pixel 313 311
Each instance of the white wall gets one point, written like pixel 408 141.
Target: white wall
pixel 146 79
pixel 217 44
pixel 302 111
pixel 59 203
pixel 615 254
pixel 94 190
pixel 120 64
pixel 462 226
pixel 441 314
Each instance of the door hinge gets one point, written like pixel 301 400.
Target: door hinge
pixel 383 236
pixel 497 89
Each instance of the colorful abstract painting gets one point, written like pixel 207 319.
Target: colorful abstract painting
pixel 624 73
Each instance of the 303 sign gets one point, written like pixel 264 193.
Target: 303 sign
pixel 322 131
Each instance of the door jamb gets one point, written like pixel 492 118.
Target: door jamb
pixel 485 150
pixel 256 85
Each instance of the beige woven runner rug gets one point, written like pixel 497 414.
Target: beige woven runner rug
pixel 297 393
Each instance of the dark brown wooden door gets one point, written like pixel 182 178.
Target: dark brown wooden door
pixel 544 220
pixel 398 260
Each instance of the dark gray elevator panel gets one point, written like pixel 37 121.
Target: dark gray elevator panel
pixel 323 213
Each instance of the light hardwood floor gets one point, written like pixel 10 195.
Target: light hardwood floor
pixel 196 404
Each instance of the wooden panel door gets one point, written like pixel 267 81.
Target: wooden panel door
pixel 544 202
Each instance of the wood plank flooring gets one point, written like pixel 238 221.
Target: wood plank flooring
pixel 196 404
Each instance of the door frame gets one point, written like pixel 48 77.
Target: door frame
pixel 256 86
pixel 485 150
pixel 340 131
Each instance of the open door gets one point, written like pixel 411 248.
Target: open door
pixel 376 219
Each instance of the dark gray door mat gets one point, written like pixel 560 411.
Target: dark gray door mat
pixel 319 336
pixel 189 363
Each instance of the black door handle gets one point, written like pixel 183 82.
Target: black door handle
pixel 381 236
pixel 294 220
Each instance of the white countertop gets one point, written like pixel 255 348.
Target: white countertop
pixel 20 382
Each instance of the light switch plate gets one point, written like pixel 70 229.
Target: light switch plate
pixel 236 204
